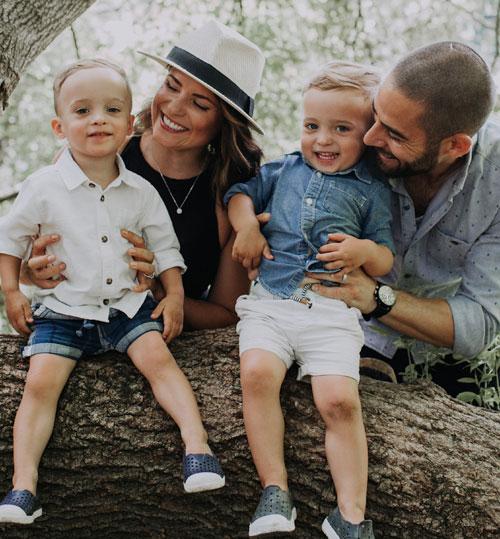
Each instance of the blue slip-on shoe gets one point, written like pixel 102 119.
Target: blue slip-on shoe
pixel 336 527
pixel 20 507
pixel 202 472
pixel 274 514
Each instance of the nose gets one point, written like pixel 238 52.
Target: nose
pixel 374 136
pixel 177 105
pixel 98 118
pixel 324 137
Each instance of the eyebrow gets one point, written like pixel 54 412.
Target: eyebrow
pixel 86 99
pixel 388 127
pixel 199 96
pixel 334 120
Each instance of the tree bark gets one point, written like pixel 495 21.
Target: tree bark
pixel 26 29
pixel 113 466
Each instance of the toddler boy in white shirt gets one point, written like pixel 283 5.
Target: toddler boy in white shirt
pixel 88 198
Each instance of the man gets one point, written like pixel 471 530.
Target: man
pixel 432 139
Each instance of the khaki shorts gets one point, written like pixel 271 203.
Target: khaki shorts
pixel 324 339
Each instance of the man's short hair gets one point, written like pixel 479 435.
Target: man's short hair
pixel 88 63
pixel 345 75
pixel 453 83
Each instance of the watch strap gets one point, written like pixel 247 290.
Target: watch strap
pixel 381 307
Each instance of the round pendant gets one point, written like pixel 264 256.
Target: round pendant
pixel 179 210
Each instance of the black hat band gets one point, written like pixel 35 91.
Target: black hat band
pixel 212 77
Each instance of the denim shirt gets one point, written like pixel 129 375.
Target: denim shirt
pixel 453 252
pixel 306 205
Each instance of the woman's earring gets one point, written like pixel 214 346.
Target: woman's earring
pixel 210 149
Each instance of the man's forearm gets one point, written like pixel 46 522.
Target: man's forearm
pixel 429 320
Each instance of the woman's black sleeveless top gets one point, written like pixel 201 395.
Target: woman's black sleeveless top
pixel 196 226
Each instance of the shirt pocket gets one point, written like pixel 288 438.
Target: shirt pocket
pixel 340 208
pixel 449 251
pixel 337 196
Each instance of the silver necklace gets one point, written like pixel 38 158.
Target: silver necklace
pixel 178 206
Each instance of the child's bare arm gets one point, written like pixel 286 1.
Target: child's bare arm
pixel 249 244
pixel 17 304
pixel 171 307
pixel 346 253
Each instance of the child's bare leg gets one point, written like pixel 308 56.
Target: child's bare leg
pixel 262 374
pixel 34 421
pixel 171 388
pixel 337 400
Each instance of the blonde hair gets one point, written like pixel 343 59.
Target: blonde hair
pixel 345 75
pixel 87 63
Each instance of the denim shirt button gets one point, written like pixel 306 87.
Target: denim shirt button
pixel 318 174
pixel 309 201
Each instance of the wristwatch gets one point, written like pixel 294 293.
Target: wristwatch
pixel 385 297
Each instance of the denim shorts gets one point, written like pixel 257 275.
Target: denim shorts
pixel 74 337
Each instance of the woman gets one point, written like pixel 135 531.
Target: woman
pixel 192 144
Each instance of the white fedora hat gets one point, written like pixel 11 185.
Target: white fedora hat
pixel 223 61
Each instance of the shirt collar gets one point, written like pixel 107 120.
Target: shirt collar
pixel 73 176
pixel 360 170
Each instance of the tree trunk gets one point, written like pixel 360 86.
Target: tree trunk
pixel 113 466
pixel 26 29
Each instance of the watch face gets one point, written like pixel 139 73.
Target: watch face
pixel 386 295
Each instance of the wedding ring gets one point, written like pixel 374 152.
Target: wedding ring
pixel 344 278
pixel 150 275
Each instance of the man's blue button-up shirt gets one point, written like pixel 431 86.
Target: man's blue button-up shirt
pixel 453 251
pixel 306 205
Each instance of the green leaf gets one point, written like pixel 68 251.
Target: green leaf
pixel 467 396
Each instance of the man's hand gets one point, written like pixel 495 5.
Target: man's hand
pixel 171 308
pixel 343 252
pixel 249 246
pixel 43 270
pixel 19 311
pixel 355 290
pixel 142 261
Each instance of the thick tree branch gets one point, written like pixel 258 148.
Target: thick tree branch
pixel 113 466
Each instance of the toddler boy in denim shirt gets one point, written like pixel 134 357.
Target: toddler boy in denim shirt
pixel 324 193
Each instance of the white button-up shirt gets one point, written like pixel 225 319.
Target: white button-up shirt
pixel 60 199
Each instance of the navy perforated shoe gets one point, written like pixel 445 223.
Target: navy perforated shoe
pixel 336 527
pixel 202 472
pixel 20 507
pixel 274 514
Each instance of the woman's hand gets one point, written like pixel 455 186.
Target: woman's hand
pixel 355 290
pixel 41 269
pixel 142 261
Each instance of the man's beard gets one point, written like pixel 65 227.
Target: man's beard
pixel 422 165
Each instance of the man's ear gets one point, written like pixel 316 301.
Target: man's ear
pixel 457 145
pixel 56 125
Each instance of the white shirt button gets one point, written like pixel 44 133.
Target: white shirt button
pixel 309 201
